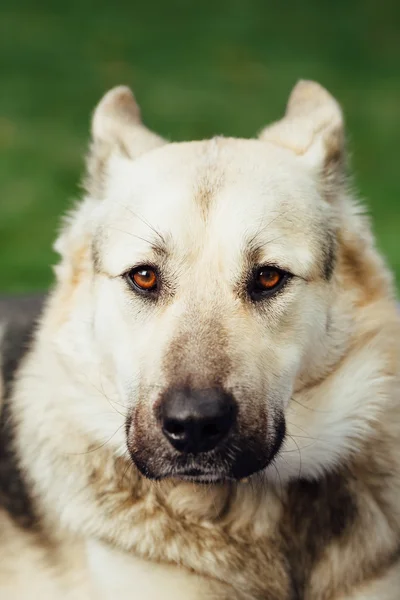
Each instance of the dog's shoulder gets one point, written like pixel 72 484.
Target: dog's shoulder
pixel 18 316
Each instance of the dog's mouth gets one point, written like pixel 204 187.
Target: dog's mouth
pixel 200 476
pixel 206 468
pixel 213 473
pixel 216 457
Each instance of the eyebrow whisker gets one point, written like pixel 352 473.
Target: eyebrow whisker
pixel 145 222
pixel 132 235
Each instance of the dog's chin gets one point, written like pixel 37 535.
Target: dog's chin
pixel 206 478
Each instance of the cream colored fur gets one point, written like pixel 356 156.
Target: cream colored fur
pixel 325 352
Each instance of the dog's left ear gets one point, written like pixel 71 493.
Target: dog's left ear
pixel 117 128
pixel 313 129
pixel 117 134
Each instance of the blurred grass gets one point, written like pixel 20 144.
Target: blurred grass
pixel 215 66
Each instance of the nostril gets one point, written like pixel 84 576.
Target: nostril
pixel 174 428
pixel 211 430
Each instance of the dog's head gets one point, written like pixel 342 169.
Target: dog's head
pixel 203 273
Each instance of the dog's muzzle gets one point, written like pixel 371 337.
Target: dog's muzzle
pixel 197 435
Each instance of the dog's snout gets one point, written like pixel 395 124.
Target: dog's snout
pixel 196 421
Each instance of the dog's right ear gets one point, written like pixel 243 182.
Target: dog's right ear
pixel 116 129
pixel 313 130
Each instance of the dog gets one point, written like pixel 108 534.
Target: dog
pixel 207 403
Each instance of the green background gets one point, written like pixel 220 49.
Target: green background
pixel 198 69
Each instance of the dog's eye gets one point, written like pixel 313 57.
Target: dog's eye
pixel 267 278
pixel 143 278
pixel 266 281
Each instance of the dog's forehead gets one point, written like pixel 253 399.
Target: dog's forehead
pixel 245 176
pixel 227 189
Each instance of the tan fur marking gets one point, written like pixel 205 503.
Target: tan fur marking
pixel 210 180
pixel 361 271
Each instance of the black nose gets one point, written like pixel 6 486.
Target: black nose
pixel 195 421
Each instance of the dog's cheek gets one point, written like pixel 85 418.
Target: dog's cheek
pixel 299 344
pixel 326 331
pixel 114 332
pixel 129 336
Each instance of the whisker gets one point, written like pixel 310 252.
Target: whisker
pixel 279 478
pixel 300 458
pixel 97 447
pixel 131 234
pixel 145 222
pixel 297 449
pixel 317 410
pixel 266 226
pixel 307 436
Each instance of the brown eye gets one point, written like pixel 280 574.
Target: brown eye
pixel 266 281
pixel 144 279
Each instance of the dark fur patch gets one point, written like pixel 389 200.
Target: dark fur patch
pixel 316 514
pixel 329 252
pixel 20 315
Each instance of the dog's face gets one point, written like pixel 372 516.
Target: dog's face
pixel 211 284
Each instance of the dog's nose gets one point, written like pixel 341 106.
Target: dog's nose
pixel 196 421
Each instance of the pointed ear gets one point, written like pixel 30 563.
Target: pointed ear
pixel 313 129
pixel 116 128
